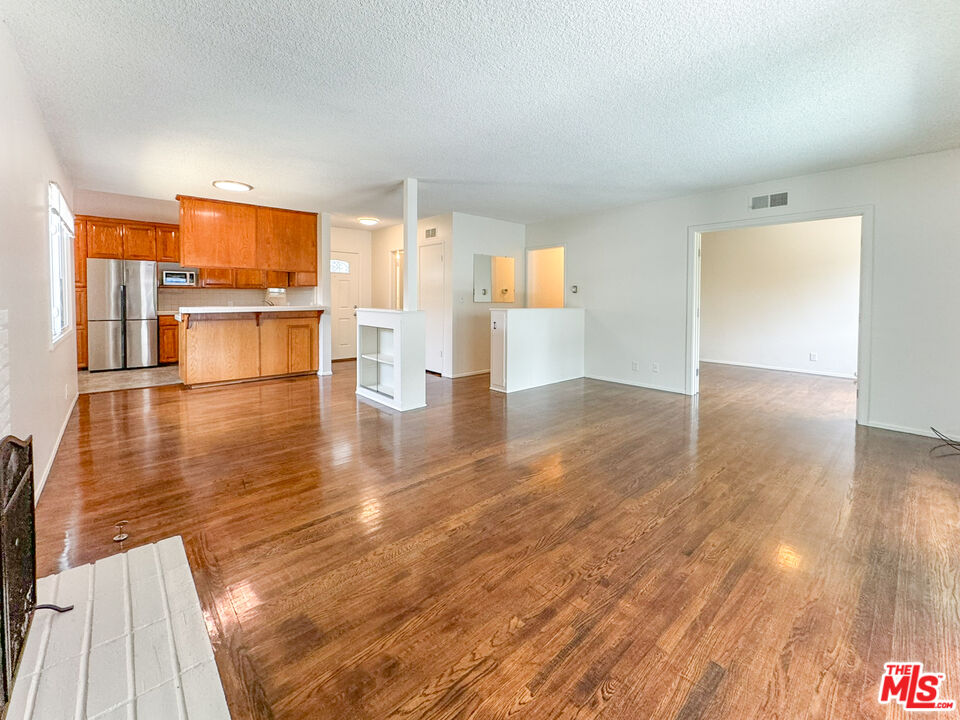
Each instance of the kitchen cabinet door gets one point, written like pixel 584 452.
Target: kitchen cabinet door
pixel 217 278
pixel 139 241
pixel 251 279
pixel 303 279
pixel 169 341
pixel 286 240
pixel 81 306
pixel 217 234
pixel 104 239
pixel 168 243
pixel 277 279
pixel 80 253
pixel 288 345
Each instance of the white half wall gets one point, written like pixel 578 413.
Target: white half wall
pixel 40 377
pixel 631 266
pixel 772 295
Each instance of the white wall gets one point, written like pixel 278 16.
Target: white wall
pixel 382 243
pixel 126 207
pixel 471 321
pixel 772 295
pixel 631 266
pixel 359 242
pixel 42 382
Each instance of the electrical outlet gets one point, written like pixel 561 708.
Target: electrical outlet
pixel 813 357
pixel 655 367
pixel 636 365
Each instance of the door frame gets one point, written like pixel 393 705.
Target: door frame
pixel 443 295
pixel 865 330
pixel 357 273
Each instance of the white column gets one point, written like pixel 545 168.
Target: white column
pixel 411 258
pixel 324 293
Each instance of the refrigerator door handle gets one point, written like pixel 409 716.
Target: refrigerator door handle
pixel 123 324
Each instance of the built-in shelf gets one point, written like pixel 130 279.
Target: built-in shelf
pixel 379 358
pixel 391 349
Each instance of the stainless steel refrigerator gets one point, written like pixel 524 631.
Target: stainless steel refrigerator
pixel 121 314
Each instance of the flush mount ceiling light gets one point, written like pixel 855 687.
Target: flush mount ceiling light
pixel 368 220
pixel 232 185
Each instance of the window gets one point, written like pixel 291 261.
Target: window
pixel 339 266
pixel 61 254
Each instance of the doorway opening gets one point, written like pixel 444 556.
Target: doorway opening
pixel 545 269
pixel 786 295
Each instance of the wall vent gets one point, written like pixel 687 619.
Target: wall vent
pixel 768 201
pixel 430 233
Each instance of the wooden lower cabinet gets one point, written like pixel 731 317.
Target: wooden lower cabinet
pixel 169 340
pixel 227 347
pixel 288 344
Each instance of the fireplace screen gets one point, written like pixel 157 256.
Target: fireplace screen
pixel 18 568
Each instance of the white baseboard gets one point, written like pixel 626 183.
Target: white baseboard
pixel 40 483
pixel 924 432
pixel 645 386
pixel 471 373
pixel 780 369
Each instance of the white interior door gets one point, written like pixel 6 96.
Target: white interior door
pixel 431 302
pixel 345 286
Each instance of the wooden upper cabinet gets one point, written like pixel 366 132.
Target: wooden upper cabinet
pixel 168 243
pixel 251 279
pixel 277 279
pixel 286 240
pixel 139 241
pixel 104 239
pixel 217 234
pixel 303 279
pixel 217 278
pixel 80 253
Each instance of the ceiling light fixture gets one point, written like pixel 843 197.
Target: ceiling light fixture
pixel 368 220
pixel 232 185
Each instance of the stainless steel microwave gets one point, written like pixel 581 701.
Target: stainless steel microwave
pixel 172 275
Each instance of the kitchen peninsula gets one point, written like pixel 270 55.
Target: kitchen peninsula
pixel 232 344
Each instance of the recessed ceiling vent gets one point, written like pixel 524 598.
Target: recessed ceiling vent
pixel 430 233
pixel 768 201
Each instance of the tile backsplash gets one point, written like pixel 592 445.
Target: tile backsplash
pixel 175 298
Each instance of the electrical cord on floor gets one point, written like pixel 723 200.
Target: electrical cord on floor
pixel 948 447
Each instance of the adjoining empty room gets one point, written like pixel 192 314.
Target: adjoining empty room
pixel 479 360
pixel 779 312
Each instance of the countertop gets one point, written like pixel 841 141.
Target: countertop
pixel 223 309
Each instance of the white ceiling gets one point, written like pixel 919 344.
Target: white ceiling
pixel 518 109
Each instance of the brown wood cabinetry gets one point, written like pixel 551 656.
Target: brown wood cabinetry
pixel 81 297
pixel 168 346
pixel 80 253
pixel 104 238
pixel 168 243
pixel 139 241
pixel 303 279
pixel 82 358
pixel 251 279
pixel 217 278
pixel 286 240
pixel 288 344
pixel 217 234
pixel 277 279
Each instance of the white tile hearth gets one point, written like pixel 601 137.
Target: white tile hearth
pixel 135 646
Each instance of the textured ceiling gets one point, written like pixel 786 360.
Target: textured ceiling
pixel 521 110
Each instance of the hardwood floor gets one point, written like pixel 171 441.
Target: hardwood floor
pixel 581 550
